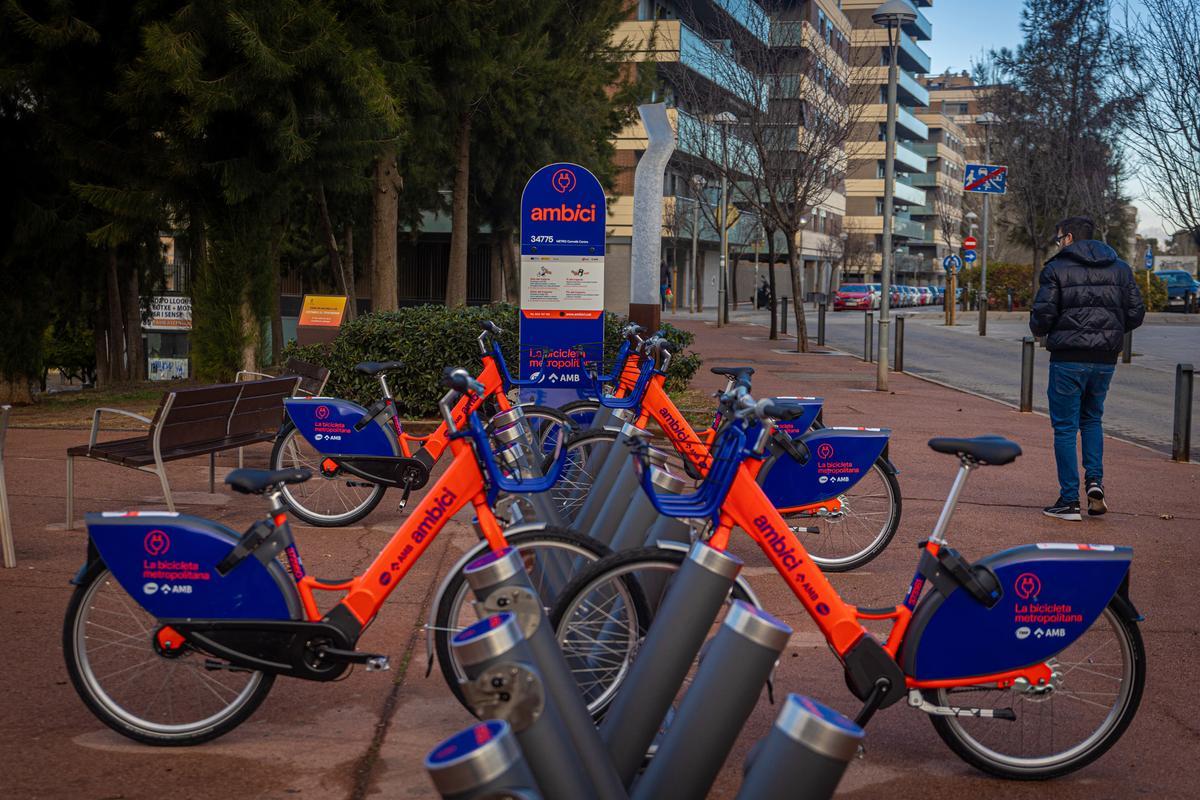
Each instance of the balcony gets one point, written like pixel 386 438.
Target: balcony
pixel 670 41
pixel 910 56
pixel 702 139
pixel 748 14
pixel 920 28
pixel 909 91
pixel 873 187
pixel 907 228
pixel 679 213
pixel 907 159
pixel 907 125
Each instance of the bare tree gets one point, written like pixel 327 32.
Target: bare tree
pixel 796 106
pixel 1164 74
pixel 948 205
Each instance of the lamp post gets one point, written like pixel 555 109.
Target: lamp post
pixel 844 237
pixel 986 120
pixel 697 184
pixel 724 120
pixel 891 15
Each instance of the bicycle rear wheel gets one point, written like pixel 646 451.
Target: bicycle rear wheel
pixel 582 463
pixel 1093 696
pixel 331 498
pixel 179 698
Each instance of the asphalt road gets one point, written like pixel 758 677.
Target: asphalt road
pixel 1140 404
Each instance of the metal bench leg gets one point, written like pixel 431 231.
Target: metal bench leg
pixel 212 473
pixel 70 493
pixel 166 487
pixel 6 531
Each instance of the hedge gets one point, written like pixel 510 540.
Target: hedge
pixel 429 338
pixel 1019 277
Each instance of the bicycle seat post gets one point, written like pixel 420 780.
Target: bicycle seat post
pixel 387 393
pixel 938 536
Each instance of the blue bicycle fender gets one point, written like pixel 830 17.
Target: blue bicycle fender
pixel 839 458
pixel 1052 595
pixel 328 424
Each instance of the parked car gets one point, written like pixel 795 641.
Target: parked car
pixel 927 297
pixel 857 297
pixel 1180 284
pixel 940 292
pixel 914 297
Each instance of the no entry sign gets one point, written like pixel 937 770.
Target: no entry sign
pixel 970 243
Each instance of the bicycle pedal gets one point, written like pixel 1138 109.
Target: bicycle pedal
pixel 378 664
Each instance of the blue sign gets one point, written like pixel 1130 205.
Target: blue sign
pixel 969 256
pixel 562 282
pixel 985 178
pixel 952 263
pixel 1149 257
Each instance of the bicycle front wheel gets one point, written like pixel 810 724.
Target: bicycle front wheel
pixel 177 698
pixel 585 454
pixel 1091 699
pixel 331 498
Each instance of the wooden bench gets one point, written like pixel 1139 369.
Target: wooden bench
pixel 190 422
pixel 312 377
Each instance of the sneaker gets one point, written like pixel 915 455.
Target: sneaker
pixel 1063 509
pixel 1095 496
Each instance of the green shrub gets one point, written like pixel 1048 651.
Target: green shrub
pixel 1154 289
pixel 431 337
pixel 1001 277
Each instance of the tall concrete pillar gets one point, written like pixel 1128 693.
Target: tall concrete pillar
pixel 644 298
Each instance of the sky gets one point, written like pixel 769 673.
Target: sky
pixel 963 30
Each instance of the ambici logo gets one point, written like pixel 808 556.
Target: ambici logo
pixel 157 543
pixel 564 213
pixel 563 181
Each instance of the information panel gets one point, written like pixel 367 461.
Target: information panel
pixel 562 282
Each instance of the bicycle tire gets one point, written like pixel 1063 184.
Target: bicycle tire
pixel 82 661
pixel 879 541
pixel 967 747
pixel 293 497
pixel 452 601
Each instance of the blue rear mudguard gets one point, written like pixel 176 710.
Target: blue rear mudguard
pixel 1052 593
pixel 838 459
pixel 330 426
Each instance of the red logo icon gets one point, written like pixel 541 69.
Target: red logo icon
pixel 322 412
pixel 157 543
pixel 563 181
pixel 1028 585
pixel 825 451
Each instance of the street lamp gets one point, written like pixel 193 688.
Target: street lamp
pixel 986 120
pixel 724 120
pixel 845 237
pixel 698 183
pixel 891 15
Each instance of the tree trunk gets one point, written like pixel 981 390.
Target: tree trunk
pixel 348 267
pixel 250 336
pixel 770 234
pixel 384 220
pixel 100 344
pixel 456 277
pixel 512 268
pixel 133 324
pixel 733 265
pixel 797 287
pixel 116 321
pixel 276 311
pixel 499 242
pixel 698 277
pixel 331 244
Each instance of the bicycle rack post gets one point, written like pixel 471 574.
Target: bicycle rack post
pixel 679 628
pixel 500 583
pixel 642 514
pixel 804 754
pixel 615 462
pixel 668 529
pixel 727 685
pixel 607 520
pixel 869 336
pixel 1181 439
pixel 1027 373
pixel 503 684
pixel 783 314
pixel 899 343
pixel 821 323
pixel 1127 348
pixel 482 761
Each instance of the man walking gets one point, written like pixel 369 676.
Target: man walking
pixel 1086 302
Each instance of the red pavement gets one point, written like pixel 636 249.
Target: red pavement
pixel 365 736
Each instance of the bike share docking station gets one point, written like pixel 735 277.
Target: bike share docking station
pixel 538 739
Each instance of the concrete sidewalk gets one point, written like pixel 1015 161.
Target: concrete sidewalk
pixel 365 736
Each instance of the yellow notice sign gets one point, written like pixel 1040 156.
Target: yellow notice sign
pixel 322 311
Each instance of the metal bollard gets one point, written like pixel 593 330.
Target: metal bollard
pixel 783 313
pixel 1127 348
pixel 642 514
pixel 504 684
pixel 1181 439
pixel 500 583
pixel 821 324
pixel 869 337
pixel 804 755
pixel 607 473
pixel 725 690
pixel 899 344
pixel 684 619
pixel 482 761
pixel 668 529
pixel 1027 373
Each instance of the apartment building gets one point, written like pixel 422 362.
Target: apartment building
pixel 869 58
pixel 701 51
pixel 942 212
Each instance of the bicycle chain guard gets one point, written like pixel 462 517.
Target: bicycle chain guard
pixel 509 691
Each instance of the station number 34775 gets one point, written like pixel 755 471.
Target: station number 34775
pixel 541 239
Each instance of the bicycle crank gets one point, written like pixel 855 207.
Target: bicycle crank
pixel 918 701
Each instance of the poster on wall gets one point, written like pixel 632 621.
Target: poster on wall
pixel 562 282
pixel 321 318
pixel 169 313
pixel 167 369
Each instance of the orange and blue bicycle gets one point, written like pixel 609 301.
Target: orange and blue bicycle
pixel 1029 661
pixel 178 625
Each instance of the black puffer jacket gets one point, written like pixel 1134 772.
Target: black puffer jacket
pixel 1087 300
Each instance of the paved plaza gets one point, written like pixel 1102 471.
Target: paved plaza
pixel 364 736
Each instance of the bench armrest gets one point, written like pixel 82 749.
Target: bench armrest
pixel 245 373
pixel 96 421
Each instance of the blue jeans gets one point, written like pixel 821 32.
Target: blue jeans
pixel 1076 393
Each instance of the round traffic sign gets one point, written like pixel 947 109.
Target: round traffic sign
pixel 969 256
pixel 952 263
pixel 969 243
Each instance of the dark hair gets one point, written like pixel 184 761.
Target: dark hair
pixel 1080 228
